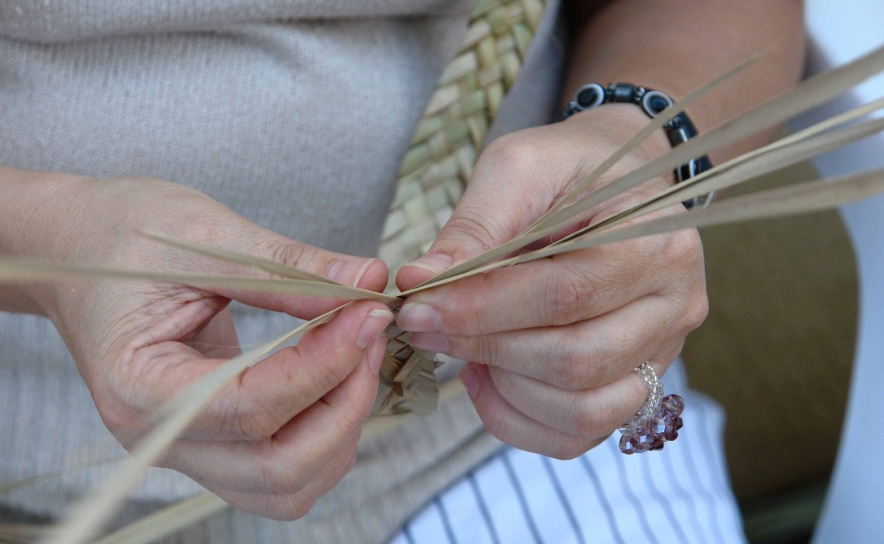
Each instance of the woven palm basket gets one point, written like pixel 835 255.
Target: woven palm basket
pixel 437 167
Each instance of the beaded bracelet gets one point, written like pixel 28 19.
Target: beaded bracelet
pixel 678 130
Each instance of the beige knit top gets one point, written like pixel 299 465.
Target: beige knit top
pixel 293 113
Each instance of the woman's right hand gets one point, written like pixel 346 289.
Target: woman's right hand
pixel 277 437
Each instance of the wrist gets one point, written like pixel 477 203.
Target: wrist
pixel 620 122
pixel 31 226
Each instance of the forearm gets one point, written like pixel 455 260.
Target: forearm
pixel 29 203
pixel 677 45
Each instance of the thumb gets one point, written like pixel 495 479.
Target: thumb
pixel 501 200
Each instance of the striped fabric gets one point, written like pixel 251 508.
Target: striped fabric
pixel 679 495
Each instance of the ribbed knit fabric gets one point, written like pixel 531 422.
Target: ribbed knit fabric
pixel 294 114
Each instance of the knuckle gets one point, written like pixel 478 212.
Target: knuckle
pixel 571 366
pixel 168 459
pixel 288 253
pixel 684 251
pixel 684 247
pixel 333 369
pixel 290 508
pixel 249 421
pixel 353 416
pixel 697 311
pixel 514 153
pixel 478 226
pixel 119 418
pixel 279 477
pixel 567 448
pixel 254 426
pixel 496 424
pixel 637 254
pixel 563 297
pixel 208 229
pixel 487 349
pixel 591 418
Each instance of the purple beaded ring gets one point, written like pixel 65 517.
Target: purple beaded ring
pixel 657 421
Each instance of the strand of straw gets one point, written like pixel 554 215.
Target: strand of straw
pixel 88 517
pixel 13 269
pixel 807 197
pixel 530 234
pixel 234 257
pixel 187 512
pixel 808 94
pixel 752 165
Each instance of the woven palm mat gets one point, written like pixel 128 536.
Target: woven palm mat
pixel 777 348
pixel 438 165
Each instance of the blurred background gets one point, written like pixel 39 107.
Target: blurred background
pixel 777 352
pixel 795 333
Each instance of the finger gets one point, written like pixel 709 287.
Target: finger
pixel 516 179
pixel 494 208
pixel 247 238
pixel 295 505
pixel 285 463
pixel 515 428
pixel 588 415
pixel 584 355
pixel 562 290
pixel 266 396
pixel 217 339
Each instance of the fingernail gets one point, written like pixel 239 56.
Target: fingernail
pixel 416 317
pixel 430 341
pixel 348 271
pixel 470 380
pixel 373 326
pixel 376 354
pixel 434 262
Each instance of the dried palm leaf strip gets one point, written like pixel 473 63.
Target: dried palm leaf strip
pixel 14 269
pixel 172 519
pixel 90 515
pixel 234 257
pixel 794 199
pixel 21 533
pixel 438 164
pixel 645 133
pixel 772 203
pixel 780 154
pixel 808 94
pixel 12 486
pixel 167 521
pixel 744 168
pixel 8 539
pixel 449 137
pixel 802 198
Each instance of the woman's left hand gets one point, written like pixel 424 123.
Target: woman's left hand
pixel 554 341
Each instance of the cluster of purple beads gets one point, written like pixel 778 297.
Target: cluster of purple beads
pixel 644 433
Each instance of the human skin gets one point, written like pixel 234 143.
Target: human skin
pixel 273 440
pixel 552 342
